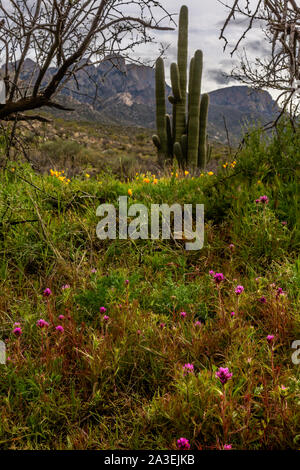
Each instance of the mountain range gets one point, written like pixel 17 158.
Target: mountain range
pixel 116 92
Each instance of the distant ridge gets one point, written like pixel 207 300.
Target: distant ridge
pixel 126 96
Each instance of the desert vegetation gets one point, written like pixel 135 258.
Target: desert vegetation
pixel 124 344
pixel 137 343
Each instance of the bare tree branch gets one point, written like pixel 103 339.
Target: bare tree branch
pixel 44 43
pixel 280 70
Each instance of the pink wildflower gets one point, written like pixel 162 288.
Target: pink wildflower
pixel 188 368
pixel 280 291
pixel 224 375
pixel 106 318
pixel 60 328
pixel 183 314
pixel 262 300
pixel 227 447
pixel 264 199
pixel 61 317
pixel 239 290
pixel 219 277
pixel 47 292
pixel 17 331
pixel 198 323
pixel 183 444
pixel 232 314
pixel 211 272
pixel 66 286
pixel 102 310
pixel 42 323
pixel 270 339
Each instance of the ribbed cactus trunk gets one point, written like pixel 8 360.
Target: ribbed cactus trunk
pixel 169 135
pixel 161 121
pixel 190 83
pixel 182 58
pixel 194 110
pixel 202 153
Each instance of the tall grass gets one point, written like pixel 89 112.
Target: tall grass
pixel 115 378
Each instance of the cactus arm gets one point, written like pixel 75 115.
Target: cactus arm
pixel 178 153
pixel 209 153
pixel 202 156
pixel 175 80
pixel 174 109
pixel 176 99
pixel 161 108
pixel 184 146
pixel 169 135
pixel 190 83
pixel 156 141
pixel 194 117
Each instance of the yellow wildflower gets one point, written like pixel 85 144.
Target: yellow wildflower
pixel 210 173
pixel 130 192
pixel 87 175
pixel 186 172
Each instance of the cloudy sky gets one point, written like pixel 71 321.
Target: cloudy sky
pixel 206 18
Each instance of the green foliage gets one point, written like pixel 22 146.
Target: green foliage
pixel 120 382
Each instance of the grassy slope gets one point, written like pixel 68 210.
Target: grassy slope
pixel 78 146
pixel 120 383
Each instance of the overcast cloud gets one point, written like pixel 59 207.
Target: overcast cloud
pixel 206 18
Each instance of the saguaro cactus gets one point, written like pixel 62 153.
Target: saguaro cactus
pixel 186 137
